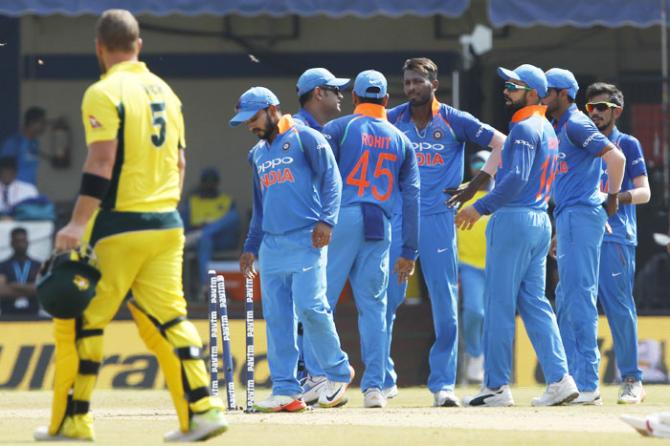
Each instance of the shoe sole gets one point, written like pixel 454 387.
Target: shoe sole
pixel 199 436
pixel 43 436
pixel 564 401
pixel 597 402
pixel 292 407
pixel 335 404
pixel 448 403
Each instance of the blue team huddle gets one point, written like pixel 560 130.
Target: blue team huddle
pixel 361 197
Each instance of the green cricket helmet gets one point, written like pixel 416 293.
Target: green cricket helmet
pixel 66 283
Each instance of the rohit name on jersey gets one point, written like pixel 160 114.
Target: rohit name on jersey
pixel 275 171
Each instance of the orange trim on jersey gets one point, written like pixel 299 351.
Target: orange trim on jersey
pixel 435 107
pixel 285 123
pixel 529 111
pixel 371 110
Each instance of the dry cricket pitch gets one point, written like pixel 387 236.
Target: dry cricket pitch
pixel 141 417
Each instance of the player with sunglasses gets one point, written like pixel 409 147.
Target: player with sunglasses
pixel 320 97
pixel 617 254
pixel 319 93
pixel 580 225
pixel 518 237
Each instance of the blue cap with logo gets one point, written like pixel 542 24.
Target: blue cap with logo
pixel 252 100
pixel 370 84
pixel 529 74
pixel 563 80
pixel 316 77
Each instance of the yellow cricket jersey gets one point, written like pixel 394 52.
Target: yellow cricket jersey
pixel 140 110
pixel 206 210
pixel 472 243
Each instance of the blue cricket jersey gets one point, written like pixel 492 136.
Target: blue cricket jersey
pixel 624 222
pixel 440 148
pixel 528 164
pixel 304 117
pixel 378 166
pixel 580 146
pixel 26 151
pixel 296 183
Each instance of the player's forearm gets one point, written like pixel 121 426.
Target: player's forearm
pixel 635 196
pixel 616 162
pixel 496 145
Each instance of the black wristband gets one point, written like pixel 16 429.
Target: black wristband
pixel 94 186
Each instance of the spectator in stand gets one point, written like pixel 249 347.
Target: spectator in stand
pixel 212 221
pixel 17 278
pixel 12 190
pixel 24 145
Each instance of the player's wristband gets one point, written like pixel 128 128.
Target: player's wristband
pixel 94 186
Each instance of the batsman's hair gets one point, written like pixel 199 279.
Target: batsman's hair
pixel 598 88
pixel 118 31
pixel 421 65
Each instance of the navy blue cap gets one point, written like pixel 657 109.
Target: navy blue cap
pixel 370 84
pixel 529 74
pixel 563 80
pixel 316 77
pixel 252 100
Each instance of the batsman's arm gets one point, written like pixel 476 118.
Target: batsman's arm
pixel 95 183
pixel 181 165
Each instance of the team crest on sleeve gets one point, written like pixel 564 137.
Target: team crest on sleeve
pixel 286 146
pixel 95 124
pixel 81 283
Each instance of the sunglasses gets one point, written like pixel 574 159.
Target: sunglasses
pixel 600 106
pixel 511 86
pixel 330 88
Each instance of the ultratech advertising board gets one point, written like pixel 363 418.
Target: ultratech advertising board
pixel 27 356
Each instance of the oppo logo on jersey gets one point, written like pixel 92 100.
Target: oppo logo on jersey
pixel 272 164
pixel 278 174
pixel 421 146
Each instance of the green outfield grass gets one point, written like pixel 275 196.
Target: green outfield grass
pixel 141 417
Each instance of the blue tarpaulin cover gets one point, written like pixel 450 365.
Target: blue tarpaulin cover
pixel 335 8
pixel 579 13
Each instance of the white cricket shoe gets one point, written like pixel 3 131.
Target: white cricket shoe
pixel 42 434
pixel 446 398
pixel 280 403
pixel 558 393
pixel 374 398
pixel 474 370
pixel 390 392
pixel 334 393
pixel 588 399
pixel 501 397
pixel 312 386
pixel 631 392
pixel 203 426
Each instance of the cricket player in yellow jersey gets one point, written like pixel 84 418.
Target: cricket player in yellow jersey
pixel 126 210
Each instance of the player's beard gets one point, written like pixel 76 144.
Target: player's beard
pixel 514 106
pixel 420 99
pixel 269 128
pixel 603 123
